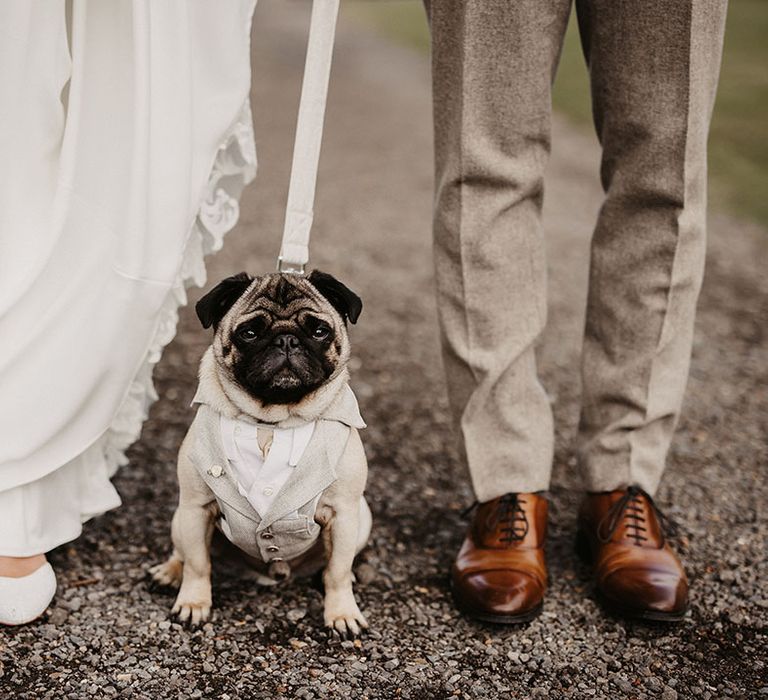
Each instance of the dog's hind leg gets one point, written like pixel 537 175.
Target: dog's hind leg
pixel 171 571
pixel 168 573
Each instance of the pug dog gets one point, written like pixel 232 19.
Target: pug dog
pixel 273 458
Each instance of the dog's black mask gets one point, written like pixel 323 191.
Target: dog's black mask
pixel 282 340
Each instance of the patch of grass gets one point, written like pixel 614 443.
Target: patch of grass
pixel 570 94
pixel 738 161
pixel 738 153
pixel 405 21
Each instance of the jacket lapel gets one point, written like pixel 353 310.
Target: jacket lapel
pixel 215 468
pixel 344 409
pixel 313 474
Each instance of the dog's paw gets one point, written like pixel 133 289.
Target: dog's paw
pixel 169 573
pixel 344 618
pixel 193 604
pixel 192 611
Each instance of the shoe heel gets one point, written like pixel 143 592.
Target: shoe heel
pixel 583 550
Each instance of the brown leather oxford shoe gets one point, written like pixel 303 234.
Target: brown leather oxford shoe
pixel 637 575
pixel 500 574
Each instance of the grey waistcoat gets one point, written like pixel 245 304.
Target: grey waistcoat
pixel 280 535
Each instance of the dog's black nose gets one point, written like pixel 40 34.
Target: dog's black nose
pixel 286 341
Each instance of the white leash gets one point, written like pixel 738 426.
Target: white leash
pixel 294 251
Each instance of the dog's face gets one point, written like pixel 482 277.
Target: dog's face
pixel 280 337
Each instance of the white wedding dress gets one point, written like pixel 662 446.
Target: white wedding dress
pixel 124 145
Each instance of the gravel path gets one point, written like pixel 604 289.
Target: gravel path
pixel 108 634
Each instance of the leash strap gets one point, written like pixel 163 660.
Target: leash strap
pixel 294 251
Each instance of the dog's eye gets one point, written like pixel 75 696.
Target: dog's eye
pixel 321 333
pixel 247 334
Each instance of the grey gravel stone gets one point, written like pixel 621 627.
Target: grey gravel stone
pixel 365 574
pixel 295 614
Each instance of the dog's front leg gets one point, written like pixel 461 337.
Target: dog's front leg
pixel 340 535
pixel 191 531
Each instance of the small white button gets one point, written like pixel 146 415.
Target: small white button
pixel 237 430
pixel 268 491
pixel 215 470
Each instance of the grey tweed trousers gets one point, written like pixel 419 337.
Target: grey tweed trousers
pixel 653 67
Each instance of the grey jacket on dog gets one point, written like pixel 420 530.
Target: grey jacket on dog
pixel 288 529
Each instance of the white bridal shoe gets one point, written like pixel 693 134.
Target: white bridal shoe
pixel 25 598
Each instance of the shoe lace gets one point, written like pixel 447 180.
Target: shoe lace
pixel 630 508
pixel 508 516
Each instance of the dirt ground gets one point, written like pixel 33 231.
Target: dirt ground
pixel 108 633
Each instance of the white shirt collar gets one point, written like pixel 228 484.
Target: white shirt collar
pixel 260 479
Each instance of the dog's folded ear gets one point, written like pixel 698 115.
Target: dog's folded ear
pixel 215 304
pixel 341 297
